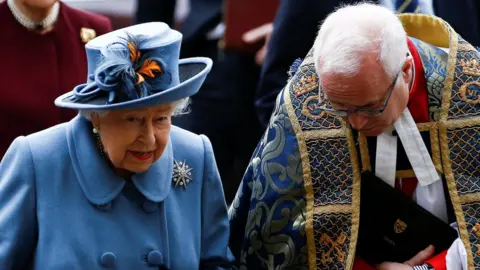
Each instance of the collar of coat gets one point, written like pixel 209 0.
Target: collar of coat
pixel 99 182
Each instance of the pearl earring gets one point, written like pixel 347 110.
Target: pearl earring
pixel 99 141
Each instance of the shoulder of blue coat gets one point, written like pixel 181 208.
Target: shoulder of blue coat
pixel 49 143
pixel 186 144
pixel 18 152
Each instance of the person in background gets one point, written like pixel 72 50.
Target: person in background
pixel 227 94
pixel 118 186
pixel 371 82
pixel 462 15
pixel 43 44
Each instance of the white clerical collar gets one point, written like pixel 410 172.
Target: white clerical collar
pixel 29 23
pixel 417 153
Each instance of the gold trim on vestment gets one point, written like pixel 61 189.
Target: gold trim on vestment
pixel 323 134
pixel 333 208
pixel 435 147
pixel 355 196
pixel 447 87
pixel 452 190
pixel 445 151
pixel 466 47
pixel 470 198
pixel 432 127
pixel 464 122
pixel 427 126
pixel 365 156
pixel 307 178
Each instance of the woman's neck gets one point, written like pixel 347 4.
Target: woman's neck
pixel 36 14
pixel 126 175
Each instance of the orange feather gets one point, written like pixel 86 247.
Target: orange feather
pixel 134 53
pixel 140 78
pixel 149 67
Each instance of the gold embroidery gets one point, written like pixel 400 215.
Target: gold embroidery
pixel 461 123
pixel 399 226
pixel 435 147
pixel 470 198
pixel 307 179
pixel 470 67
pixel 476 229
pixel 452 190
pixel 323 134
pixel 432 127
pixel 427 126
pixel 466 47
pixel 333 208
pixel 451 66
pixel 366 166
pixel 444 147
pixel 464 93
pixel 310 105
pixel 307 83
pixel 87 34
pixel 355 223
pixel 335 245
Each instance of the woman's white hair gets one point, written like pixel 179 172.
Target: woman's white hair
pixel 351 31
pixel 180 108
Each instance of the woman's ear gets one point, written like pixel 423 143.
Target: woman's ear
pixel 95 120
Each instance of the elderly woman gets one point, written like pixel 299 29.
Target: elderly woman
pixel 118 187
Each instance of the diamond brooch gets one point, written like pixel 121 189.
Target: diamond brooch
pixel 182 174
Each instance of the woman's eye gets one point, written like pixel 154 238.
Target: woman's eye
pixel 131 119
pixel 161 119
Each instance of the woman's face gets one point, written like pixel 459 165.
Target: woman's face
pixel 134 139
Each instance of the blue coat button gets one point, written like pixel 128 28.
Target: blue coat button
pixel 155 258
pixel 108 259
pixel 149 206
pixel 104 207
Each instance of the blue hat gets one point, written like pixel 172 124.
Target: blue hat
pixel 136 67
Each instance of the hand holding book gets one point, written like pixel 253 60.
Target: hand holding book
pixel 418 259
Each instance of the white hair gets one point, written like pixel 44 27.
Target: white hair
pixel 351 31
pixel 180 108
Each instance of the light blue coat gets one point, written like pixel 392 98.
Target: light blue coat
pixel 62 207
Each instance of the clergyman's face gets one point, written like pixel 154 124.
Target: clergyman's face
pixel 368 90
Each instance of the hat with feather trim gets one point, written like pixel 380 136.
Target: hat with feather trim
pixel 136 67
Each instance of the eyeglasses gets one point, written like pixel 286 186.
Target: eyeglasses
pixel 365 112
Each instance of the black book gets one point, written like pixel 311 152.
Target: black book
pixel 394 228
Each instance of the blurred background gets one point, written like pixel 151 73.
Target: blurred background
pixel 120 12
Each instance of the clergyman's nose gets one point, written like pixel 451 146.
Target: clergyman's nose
pixel 357 121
